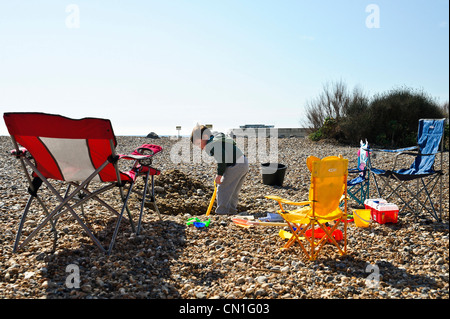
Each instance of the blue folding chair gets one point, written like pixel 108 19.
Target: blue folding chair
pixel 429 144
pixel 358 187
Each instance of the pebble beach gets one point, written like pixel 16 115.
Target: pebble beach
pixel 172 260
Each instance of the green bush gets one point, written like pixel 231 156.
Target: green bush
pixel 393 117
pixel 330 129
pixel 353 126
pixel 316 136
pixel 387 120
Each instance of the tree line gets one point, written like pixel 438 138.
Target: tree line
pixel 388 119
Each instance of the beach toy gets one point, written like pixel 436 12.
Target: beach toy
pixel 248 223
pixel 198 223
pixel 319 233
pixel 272 217
pixel 211 203
pixel 362 217
pixel 286 235
pixel 349 218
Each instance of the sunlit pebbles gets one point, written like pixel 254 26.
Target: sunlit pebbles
pixel 170 259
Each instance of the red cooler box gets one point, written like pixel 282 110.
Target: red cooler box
pixel 381 211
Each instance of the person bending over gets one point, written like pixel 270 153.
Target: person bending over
pixel 232 166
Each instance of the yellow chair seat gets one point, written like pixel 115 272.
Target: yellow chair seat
pixel 304 215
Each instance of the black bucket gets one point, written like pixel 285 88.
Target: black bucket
pixel 273 173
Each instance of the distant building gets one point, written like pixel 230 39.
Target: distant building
pixel 256 126
pixel 249 130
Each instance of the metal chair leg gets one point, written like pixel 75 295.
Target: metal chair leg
pixel 116 230
pixel 142 203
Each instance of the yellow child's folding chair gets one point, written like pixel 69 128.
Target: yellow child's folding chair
pixel 328 188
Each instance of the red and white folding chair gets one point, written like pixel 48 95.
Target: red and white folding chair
pixel 78 153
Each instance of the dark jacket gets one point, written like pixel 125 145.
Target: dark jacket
pixel 224 151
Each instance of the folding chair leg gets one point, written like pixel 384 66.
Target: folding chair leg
pixel 345 235
pixel 116 230
pixel 63 203
pixel 93 195
pixel 434 214
pixel 22 221
pixel 393 191
pixel 65 196
pixel 24 216
pixel 366 194
pixel 415 195
pixel 121 191
pixel 153 197
pixel 125 203
pixel 312 257
pixel 296 234
pixel 142 203
pixel 329 234
pixel 52 222
pixel 87 230
pixel 376 185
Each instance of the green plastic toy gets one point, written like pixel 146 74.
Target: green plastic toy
pixel 198 223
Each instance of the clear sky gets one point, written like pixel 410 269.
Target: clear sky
pixel 152 65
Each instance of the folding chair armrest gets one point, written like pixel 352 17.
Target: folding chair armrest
pixel 133 157
pixel 429 154
pixel 353 171
pixel 415 154
pixel 399 150
pixel 396 158
pixel 144 149
pixel 22 151
pixel 141 163
pixel 143 154
pixel 288 202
